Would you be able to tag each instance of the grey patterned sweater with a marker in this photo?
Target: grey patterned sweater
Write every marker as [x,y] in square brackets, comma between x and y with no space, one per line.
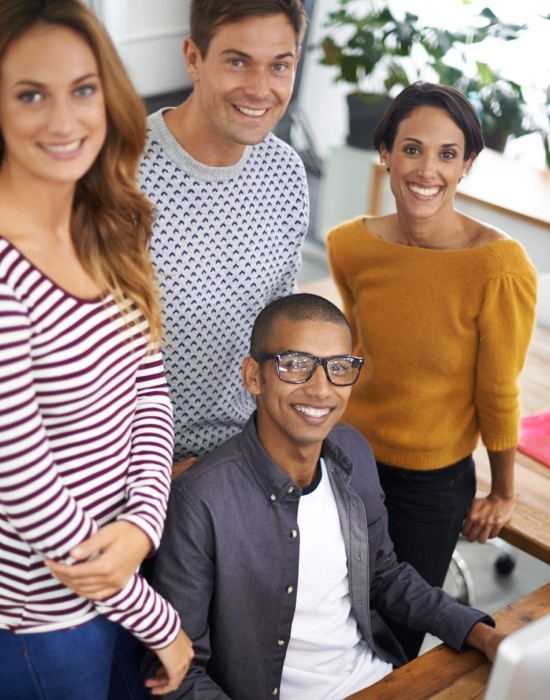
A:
[226,242]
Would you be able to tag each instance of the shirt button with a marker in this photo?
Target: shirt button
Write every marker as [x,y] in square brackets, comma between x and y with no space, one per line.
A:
[281,642]
[273,497]
[289,589]
[290,489]
[293,533]
[274,691]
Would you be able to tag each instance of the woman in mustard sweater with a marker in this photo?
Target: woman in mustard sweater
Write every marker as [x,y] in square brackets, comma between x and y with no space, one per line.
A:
[442,308]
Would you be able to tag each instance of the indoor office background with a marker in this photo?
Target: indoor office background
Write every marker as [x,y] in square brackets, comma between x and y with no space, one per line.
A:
[149,37]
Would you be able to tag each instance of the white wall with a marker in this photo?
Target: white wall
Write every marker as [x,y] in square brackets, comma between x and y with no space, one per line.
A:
[149,36]
[322,101]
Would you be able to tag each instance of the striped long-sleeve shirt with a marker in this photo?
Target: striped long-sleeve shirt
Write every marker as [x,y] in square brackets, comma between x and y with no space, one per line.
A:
[86,438]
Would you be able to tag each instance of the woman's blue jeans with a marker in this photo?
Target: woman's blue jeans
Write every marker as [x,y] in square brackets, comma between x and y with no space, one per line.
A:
[62,665]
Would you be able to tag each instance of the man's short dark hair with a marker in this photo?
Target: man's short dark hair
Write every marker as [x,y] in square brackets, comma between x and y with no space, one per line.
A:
[296,307]
[206,16]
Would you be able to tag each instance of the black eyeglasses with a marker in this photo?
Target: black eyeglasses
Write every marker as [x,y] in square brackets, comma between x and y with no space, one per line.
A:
[298,367]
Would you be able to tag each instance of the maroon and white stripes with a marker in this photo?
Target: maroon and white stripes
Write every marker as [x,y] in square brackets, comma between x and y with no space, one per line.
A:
[86,437]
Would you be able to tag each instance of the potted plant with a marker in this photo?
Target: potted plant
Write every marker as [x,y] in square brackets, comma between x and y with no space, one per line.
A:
[376,53]
[369,60]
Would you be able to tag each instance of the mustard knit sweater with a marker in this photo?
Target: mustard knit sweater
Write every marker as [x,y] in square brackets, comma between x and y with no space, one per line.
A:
[444,334]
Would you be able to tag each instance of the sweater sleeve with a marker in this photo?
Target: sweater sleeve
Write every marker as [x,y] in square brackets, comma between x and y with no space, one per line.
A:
[143,612]
[34,497]
[505,326]
[138,607]
[299,206]
[148,482]
[341,273]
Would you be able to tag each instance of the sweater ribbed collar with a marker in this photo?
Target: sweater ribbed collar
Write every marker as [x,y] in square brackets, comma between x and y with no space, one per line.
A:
[159,131]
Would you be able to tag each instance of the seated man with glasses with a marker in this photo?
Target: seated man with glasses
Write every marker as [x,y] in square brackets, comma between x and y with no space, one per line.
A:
[276,552]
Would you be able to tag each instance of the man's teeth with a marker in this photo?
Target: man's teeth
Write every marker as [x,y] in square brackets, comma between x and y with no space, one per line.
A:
[62,148]
[424,191]
[252,112]
[313,412]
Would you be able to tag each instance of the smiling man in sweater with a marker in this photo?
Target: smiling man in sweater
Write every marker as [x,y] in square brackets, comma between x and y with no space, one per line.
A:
[231,204]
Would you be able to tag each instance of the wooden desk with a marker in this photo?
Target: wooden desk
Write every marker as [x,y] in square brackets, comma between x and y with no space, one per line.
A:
[507,185]
[443,673]
[529,527]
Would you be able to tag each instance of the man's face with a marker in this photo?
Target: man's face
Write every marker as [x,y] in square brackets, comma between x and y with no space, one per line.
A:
[296,416]
[245,81]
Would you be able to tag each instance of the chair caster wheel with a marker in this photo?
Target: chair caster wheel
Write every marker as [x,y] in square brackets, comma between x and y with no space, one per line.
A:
[505,564]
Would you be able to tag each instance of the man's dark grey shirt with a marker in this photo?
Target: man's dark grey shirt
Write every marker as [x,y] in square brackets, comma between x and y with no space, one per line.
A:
[228,562]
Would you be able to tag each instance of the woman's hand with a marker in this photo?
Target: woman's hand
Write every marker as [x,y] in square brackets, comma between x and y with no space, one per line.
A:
[108,560]
[486,518]
[487,515]
[175,660]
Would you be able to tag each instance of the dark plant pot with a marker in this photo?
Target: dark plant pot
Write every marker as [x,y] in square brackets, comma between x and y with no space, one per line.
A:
[495,140]
[365,111]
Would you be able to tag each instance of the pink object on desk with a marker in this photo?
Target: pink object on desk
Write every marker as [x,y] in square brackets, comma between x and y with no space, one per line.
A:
[534,438]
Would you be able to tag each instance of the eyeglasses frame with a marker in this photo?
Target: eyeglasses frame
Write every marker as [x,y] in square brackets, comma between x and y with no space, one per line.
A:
[263,356]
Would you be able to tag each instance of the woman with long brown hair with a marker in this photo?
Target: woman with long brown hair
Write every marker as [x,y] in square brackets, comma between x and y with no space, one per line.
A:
[86,430]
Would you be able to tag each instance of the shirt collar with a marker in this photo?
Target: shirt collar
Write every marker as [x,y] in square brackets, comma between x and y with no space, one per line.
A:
[272,479]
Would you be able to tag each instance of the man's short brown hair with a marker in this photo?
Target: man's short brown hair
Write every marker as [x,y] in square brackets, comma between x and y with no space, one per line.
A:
[207,16]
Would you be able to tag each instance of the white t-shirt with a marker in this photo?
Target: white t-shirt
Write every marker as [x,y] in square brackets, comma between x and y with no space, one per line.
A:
[327,659]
